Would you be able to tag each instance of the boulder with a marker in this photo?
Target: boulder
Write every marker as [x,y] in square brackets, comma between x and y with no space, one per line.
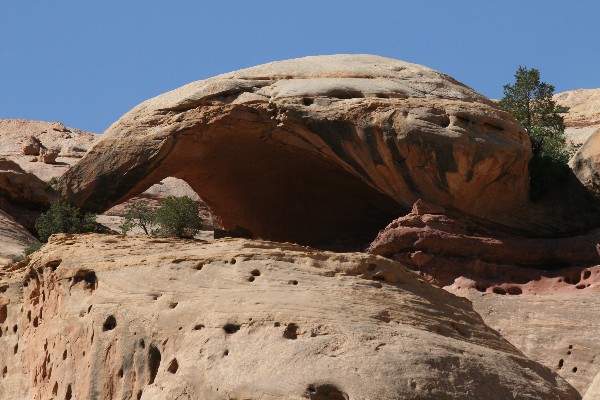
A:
[32,146]
[315,149]
[48,156]
[94,316]
[586,164]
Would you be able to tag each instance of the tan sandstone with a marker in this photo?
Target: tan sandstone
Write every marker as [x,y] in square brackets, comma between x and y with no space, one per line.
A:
[583,117]
[112,317]
[314,149]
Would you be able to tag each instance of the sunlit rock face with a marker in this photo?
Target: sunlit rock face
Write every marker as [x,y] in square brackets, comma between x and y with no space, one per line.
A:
[114,317]
[314,149]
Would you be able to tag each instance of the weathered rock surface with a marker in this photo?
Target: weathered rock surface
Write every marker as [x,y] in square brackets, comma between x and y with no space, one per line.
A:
[583,117]
[593,392]
[32,146]
[445,247]
[558,330]
[586,164]
[314,149]
[23,195]
[48,156]
[540,294]
[112,317]
[19,139]
[13,239]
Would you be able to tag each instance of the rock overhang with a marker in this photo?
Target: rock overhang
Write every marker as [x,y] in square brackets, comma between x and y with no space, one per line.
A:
[342,137]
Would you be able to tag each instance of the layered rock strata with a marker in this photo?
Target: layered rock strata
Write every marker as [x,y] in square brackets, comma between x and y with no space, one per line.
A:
[111,317]
[314,149]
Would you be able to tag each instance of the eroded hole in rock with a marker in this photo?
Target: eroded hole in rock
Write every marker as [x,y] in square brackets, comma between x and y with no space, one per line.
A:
[480,287]
[55,389]
[139,394]
[326,392]
[255,272]
[3,313]
[569,352]
[153,362]
[89,279]
[199,266]
[142,343]
[64,354]
[173,304]
[16,348]
[120,373]
[226,353]
[198,327]
[4,371]
[499,290]
[561,362]
[307,101]
[109,324]
[574,369]
[251,279]
[276,324]
[514,290]
[293,282]
[573,279]
[570,346]
[35,322]
[291,331]
[587,274]
[173,366]
[69,393]
[53,264]
[231,328]
[580,286]
[232,261]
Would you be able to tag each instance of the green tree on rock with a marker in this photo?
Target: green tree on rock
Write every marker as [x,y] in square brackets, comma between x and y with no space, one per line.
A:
[530,101]
[62,217]
[178,216]
[139,214]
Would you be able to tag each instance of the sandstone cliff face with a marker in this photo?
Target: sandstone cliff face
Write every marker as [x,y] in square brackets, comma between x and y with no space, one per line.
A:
[540,294]
[313,149]
[111,317]
[583,117]
[23,195]
[13,239]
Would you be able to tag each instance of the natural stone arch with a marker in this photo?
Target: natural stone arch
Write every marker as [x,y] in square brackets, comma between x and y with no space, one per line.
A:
[316,149]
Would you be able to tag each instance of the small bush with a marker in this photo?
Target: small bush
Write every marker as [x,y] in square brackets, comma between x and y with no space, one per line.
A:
[177,216]
[138,214]
[64,218]
[53,182]
[32,248]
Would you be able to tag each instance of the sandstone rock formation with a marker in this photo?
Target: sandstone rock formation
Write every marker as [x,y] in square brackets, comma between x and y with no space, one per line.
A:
[22,195]
[13,239]
[96,316]
[540,294]
[558,330]
[48,156]
[32,146]
[19,139]
[583,117]
[586,164]
[314,149]
[593,393]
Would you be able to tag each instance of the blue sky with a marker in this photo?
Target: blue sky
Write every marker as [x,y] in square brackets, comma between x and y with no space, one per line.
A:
[87,63]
